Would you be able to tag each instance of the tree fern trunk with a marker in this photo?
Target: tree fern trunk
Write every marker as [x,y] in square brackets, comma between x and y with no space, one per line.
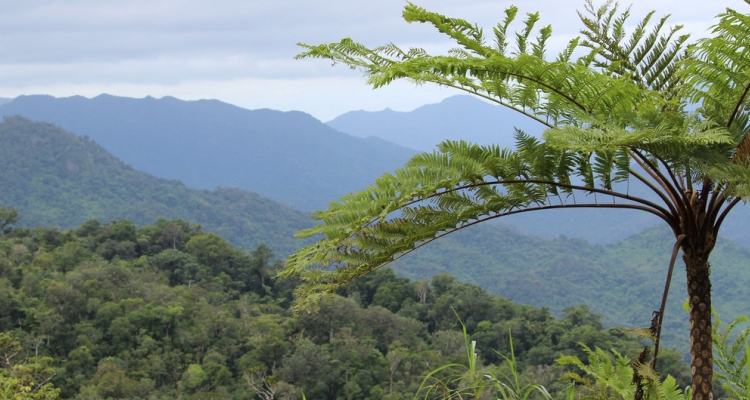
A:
[701,353]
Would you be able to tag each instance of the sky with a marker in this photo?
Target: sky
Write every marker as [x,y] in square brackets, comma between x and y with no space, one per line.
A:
[242,51]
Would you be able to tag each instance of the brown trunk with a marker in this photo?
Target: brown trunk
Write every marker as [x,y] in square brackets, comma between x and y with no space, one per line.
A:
[701,354]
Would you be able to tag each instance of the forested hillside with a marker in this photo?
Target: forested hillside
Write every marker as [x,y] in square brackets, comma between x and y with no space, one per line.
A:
[622,281]
[288,156]
[116,311]
[55,178]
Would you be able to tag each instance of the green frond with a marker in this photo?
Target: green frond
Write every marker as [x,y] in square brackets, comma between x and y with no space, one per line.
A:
[467,35]
[648,58]
[716,70]
[662,139]
[501,30]
[522,37]
[734,177]
[625,98]
[434,194]
[731,350]
[610,376]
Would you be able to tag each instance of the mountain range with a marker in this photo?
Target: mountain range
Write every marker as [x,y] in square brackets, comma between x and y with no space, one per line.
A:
[288,156]
[297,160]
[455,118]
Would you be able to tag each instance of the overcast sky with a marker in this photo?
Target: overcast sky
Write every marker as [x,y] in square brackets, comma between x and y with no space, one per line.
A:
[241,51]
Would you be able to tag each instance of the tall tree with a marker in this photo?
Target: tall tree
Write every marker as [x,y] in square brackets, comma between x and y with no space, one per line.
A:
[616,117]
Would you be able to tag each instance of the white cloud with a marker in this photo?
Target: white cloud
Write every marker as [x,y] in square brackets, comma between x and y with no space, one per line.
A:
[242,51]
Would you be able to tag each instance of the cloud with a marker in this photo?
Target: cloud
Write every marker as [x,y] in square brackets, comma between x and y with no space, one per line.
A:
[213,49]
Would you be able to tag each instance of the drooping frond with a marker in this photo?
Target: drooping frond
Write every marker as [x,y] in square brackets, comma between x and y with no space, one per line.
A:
[551,92]
[734,178]
[648,57]
[441,192]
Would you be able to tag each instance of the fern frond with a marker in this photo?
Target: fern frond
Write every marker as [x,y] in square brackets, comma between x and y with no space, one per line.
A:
[731,368]
[718,77]
[604,109]
[435,194]
[609,378]
[649,59]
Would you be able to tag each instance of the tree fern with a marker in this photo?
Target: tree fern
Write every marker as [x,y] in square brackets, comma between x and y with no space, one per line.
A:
[615,114]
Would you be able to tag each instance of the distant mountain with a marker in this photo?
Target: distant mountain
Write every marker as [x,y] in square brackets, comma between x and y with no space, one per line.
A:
[474,120]
[4,100]
[288,156]
[299,161]
[54,178]
[455,118]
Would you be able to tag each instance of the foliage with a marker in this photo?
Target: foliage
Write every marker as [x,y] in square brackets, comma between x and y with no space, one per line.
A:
[731,362]
[7,218]
[472,382]
[120,311]
[605,277]
[606,378]
[24,379]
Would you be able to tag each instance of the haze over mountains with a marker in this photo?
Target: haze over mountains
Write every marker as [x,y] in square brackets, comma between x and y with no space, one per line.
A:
[288,156]
[295,159]
[56,179]
[455,118]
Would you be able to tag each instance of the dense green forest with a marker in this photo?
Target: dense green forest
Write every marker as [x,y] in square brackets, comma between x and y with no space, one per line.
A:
[168,310]
[622,281]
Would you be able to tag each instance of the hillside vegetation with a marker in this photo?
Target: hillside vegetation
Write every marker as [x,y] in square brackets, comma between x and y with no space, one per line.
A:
[54,178]
[621,281]
[117,311]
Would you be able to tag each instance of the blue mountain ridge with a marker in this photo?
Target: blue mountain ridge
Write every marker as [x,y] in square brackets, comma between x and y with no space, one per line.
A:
[288,156]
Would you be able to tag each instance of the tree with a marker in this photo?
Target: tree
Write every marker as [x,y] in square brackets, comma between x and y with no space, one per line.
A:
[8,217]
[617,118]
[24,379]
